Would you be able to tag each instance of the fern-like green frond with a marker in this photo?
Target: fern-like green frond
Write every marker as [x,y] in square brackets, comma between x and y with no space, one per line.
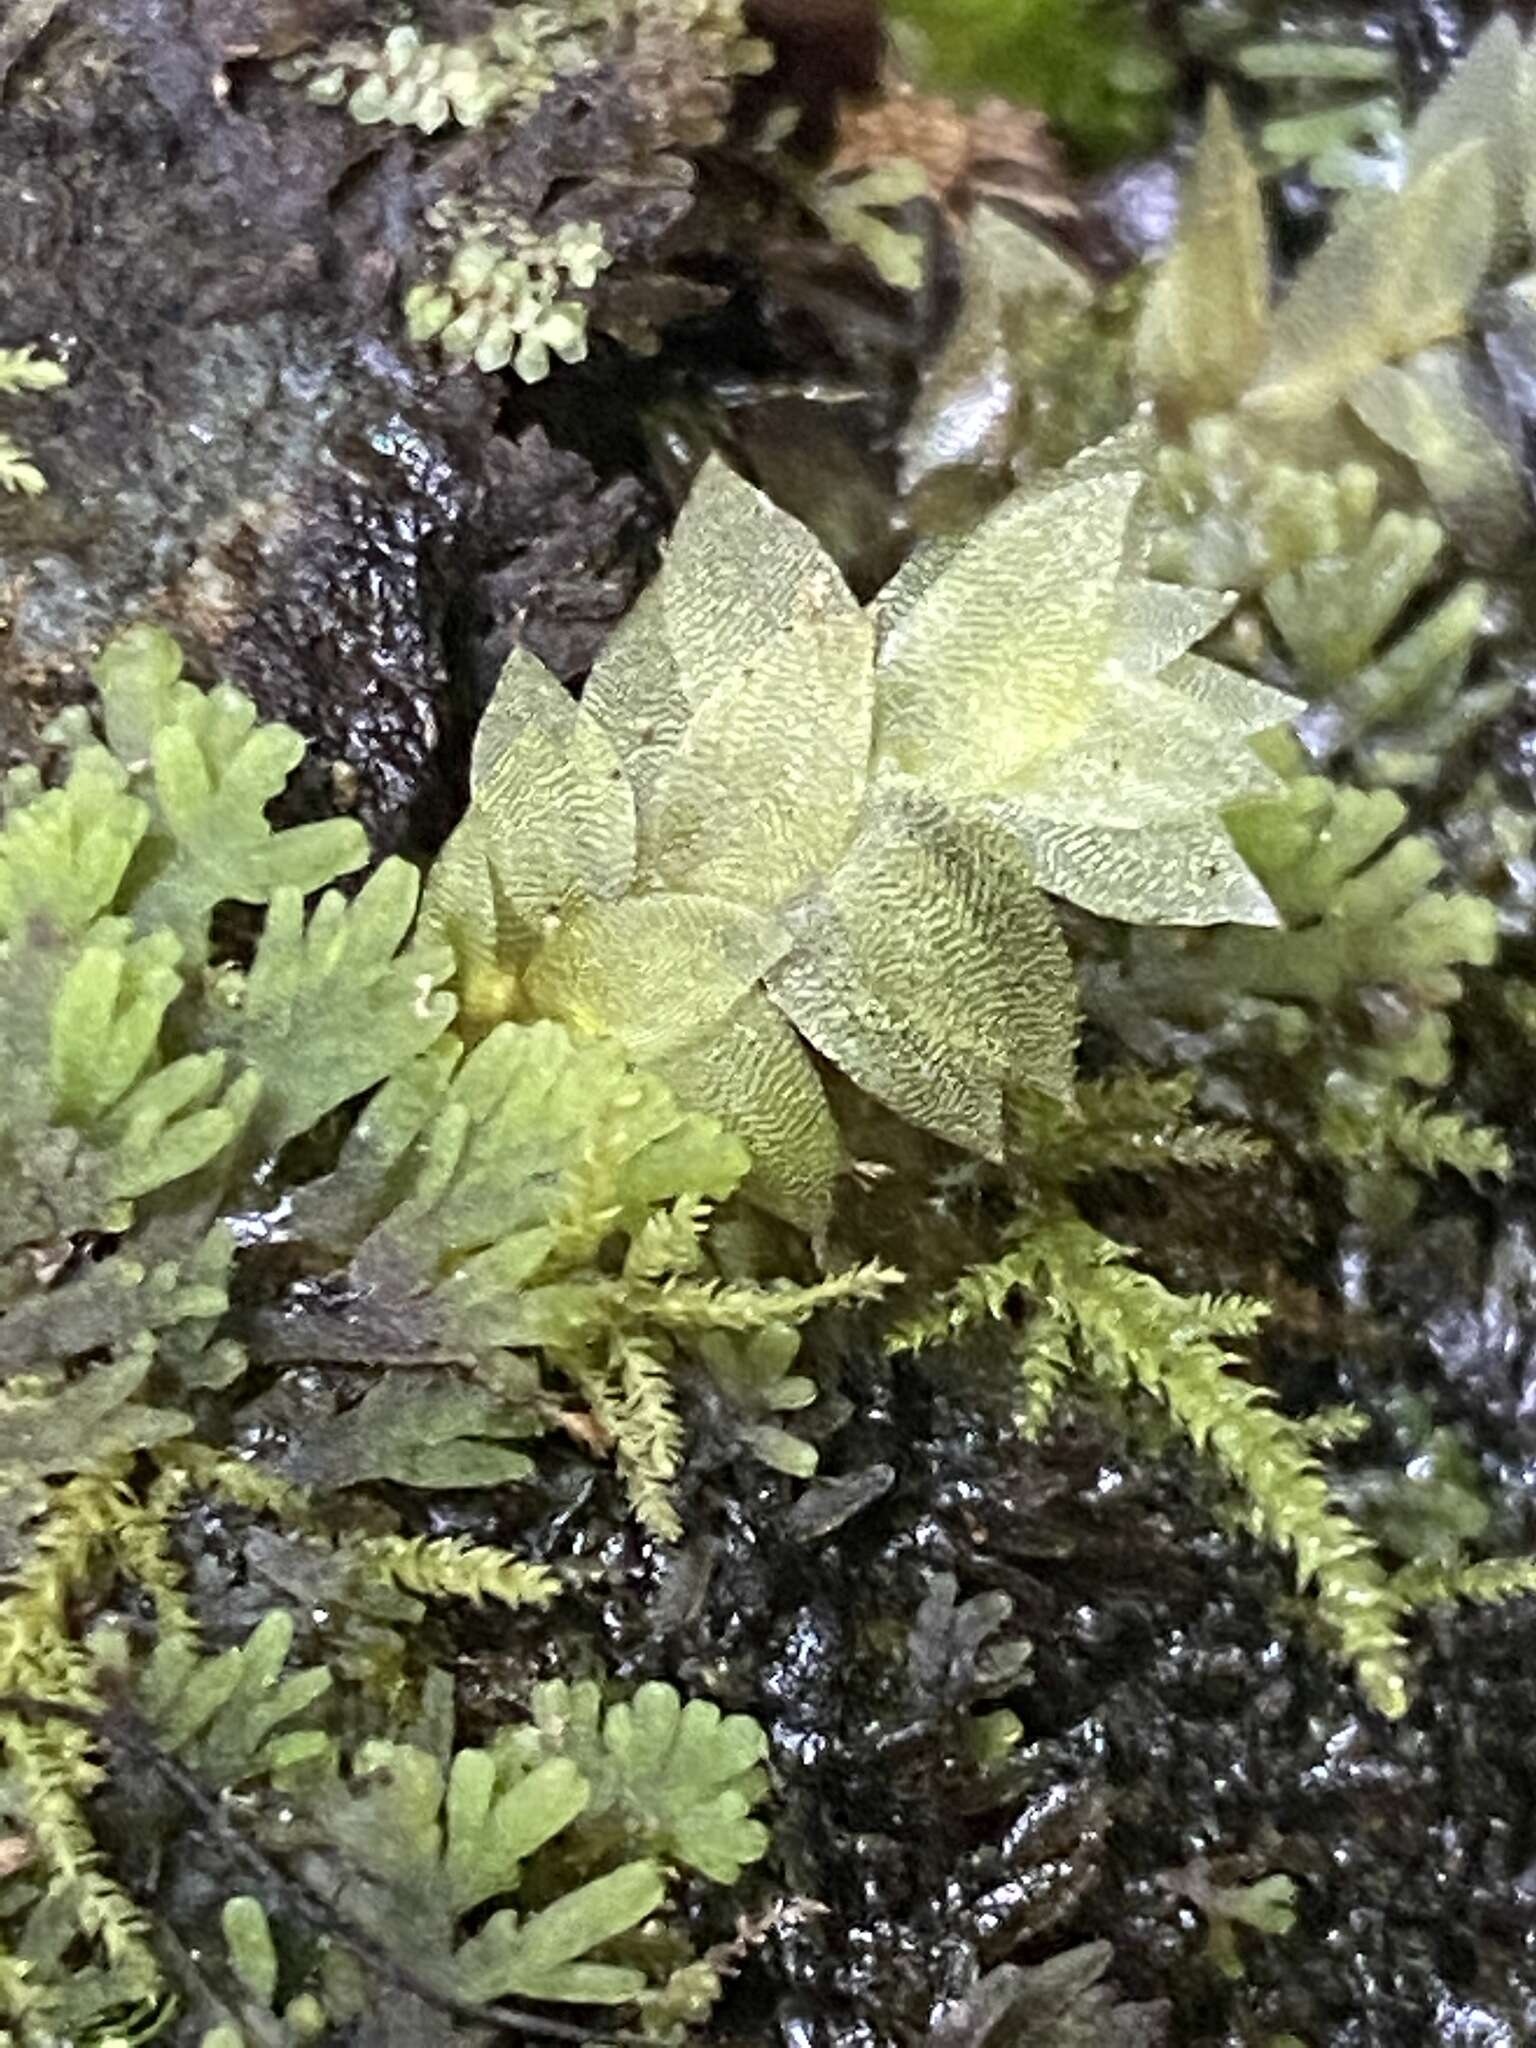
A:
[1486,1582]
[226,1716]
[454,1568]
[207,771]
[347,988]
[1100,1321]
[673,1780]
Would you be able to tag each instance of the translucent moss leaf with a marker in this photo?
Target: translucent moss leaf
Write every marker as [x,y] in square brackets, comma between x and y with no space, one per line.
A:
[208,770]
[738,574]
[637,693]
[1144,755]
[1440,411]
[991,668]
[561,822]
[755,1075]
[552,789]
[1156,623]
[679,1779]
[763,791]
[932,972]
[1487,100]
[822,988]
[1178,871]
[417,1431]
[1205,326]
[652,971]
[1236,700]
[551,823]
[331,1007]
[1397,273]
[526,697]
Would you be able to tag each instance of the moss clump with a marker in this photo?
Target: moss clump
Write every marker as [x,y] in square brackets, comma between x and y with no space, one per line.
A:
[509,271]
[1092,68]
[534,1199]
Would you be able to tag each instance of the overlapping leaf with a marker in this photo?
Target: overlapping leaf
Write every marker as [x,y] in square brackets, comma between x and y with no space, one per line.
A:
[1206,323]
[993,667]
[551,817]
[774,805]
[1396,274]
[933,972]
[471,1189]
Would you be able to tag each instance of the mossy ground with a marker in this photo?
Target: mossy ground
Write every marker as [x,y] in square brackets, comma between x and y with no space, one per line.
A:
[1172,1710]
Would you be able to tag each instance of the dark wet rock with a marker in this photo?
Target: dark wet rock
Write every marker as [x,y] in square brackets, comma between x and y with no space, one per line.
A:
[246,450]
[238,449]
[1171,1708]
[562,551]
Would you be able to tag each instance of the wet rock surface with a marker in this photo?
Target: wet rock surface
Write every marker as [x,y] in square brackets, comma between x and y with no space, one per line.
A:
[244,449]
[1177,1723]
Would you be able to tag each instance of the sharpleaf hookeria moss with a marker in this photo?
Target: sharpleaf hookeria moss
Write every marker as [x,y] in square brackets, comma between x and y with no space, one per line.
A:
[1309,432]
[495,1171]
[781,821]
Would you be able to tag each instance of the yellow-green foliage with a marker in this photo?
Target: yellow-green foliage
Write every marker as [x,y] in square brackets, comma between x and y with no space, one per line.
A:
[1331,104]
[1364,347]
[674,1781]
[779,820]
[497,288]
[533,1203]
[586,1812]
[1305,431]
[1097,1323]
[22,370]
[504,298]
